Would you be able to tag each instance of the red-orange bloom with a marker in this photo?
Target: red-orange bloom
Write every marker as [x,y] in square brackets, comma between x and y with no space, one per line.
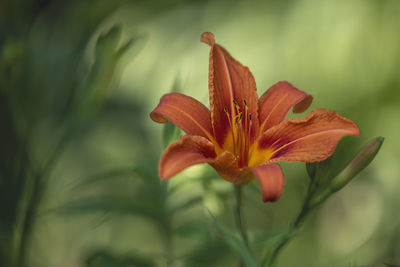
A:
[242,136]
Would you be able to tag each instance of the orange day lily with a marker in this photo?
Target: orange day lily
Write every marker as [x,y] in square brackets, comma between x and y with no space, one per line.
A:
[243,136]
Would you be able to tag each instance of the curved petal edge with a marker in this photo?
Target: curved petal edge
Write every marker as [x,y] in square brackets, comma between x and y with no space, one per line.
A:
[311,139]
[189,150]
[185,112]
[276,102]
[271,180]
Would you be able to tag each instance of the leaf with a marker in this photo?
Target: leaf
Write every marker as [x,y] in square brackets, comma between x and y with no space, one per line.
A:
[108,174]
[170,133]
[391,265]
[237,245]
[191,202]
[108,42]
[107,205]
[195,230]
[208,255]
[103,258]
[269,238]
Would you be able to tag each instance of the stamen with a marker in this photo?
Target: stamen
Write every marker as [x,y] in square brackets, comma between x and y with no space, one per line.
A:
[240,117]
[232,131]
[240,130]
[236,106]
[248,136]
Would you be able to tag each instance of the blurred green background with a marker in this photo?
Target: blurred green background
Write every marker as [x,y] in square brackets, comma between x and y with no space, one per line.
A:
[79,154]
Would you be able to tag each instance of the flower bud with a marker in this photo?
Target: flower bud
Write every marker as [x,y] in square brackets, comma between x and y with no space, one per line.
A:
[360,161]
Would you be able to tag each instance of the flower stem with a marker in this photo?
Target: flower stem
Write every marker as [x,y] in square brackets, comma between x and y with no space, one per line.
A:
[305,210]
[238,214]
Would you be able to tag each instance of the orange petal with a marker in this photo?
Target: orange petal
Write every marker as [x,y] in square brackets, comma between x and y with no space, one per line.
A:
[271,181]
[276,102]
[311,139]
[228,81]
[226,165]
[185,112]
[188,151]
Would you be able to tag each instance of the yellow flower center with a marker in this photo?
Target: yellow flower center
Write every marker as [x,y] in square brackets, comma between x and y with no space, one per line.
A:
[238,138]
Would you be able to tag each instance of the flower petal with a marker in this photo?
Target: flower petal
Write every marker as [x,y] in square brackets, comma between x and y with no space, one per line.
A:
[227,166]
[188,151]
[276,102]
[311,139]
[185,112]
[229,81]
[271,181]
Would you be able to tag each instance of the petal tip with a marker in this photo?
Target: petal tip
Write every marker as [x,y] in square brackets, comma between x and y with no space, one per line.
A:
[303,104]
[208,38]
[271,180]
[157,118]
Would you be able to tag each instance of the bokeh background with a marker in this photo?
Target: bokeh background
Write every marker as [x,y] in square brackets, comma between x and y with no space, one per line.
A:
[78,152]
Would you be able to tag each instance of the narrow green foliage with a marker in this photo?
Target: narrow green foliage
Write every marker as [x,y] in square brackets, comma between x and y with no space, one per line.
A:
[321,188]
[170,133]
[236,244]
[108,53]
[103,258]
[270,238]
[210,254]
[193,230]
[119,206]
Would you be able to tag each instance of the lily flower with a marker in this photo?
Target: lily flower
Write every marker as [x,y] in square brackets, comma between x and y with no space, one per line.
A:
[242,136]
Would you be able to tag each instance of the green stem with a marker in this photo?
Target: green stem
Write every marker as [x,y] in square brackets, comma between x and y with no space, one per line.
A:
[238,214]
[306,208]
[34,188]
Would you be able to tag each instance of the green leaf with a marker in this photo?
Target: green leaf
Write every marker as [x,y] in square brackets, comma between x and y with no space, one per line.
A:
[391,265]
[271,238]
[103,258]
[237,245]
[108,205]
[108,174]
[210,254]
[108,42]
[194,230]
[170,133]
[188,204]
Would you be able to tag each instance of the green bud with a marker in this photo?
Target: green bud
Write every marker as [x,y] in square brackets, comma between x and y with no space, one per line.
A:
[360,161]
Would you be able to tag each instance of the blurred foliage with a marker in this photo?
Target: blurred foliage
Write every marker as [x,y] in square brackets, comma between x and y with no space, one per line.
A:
[79,183]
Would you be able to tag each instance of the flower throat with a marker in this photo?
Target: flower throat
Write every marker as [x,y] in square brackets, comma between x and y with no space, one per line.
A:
[240,130]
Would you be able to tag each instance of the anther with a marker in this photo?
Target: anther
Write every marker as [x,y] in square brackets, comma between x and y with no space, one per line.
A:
[236,106]
[245,102]
[226,110]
